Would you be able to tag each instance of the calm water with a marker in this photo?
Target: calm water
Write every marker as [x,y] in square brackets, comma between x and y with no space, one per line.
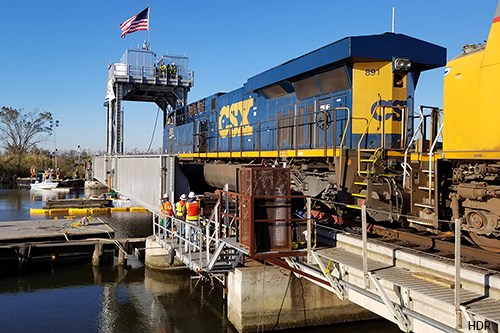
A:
[83,298]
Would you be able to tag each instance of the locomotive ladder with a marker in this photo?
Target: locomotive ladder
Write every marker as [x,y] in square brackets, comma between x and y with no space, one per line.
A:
[369,164]
[430,200]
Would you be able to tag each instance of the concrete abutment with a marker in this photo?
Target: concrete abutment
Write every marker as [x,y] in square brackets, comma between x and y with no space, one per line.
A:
[267,298]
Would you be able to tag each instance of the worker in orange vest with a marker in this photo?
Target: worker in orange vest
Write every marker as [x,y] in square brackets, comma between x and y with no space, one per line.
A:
[192,216]
[180,213]
[168,211]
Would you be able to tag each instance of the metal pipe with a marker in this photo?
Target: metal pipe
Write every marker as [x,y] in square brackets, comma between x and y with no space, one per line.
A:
[458,313]
[309,230]
[365,245]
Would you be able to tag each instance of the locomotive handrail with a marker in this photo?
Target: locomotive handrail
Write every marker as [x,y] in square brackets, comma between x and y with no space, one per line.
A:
[366,131]
[343,136]
[417,130]
[239,129]
[430,160]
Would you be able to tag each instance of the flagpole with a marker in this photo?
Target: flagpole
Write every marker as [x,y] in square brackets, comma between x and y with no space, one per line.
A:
[149,5]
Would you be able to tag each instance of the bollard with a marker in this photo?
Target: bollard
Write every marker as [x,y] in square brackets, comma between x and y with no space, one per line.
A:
[122,258]
[96,256]
[23,258]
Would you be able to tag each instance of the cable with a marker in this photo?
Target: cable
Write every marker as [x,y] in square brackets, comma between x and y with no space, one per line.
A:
[154,130]
[283,301]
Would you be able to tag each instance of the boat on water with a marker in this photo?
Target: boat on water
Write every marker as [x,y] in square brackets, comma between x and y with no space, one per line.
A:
[44,185]
[47,182]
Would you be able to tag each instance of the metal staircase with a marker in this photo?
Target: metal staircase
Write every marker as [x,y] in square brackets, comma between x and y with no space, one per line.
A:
[224,259]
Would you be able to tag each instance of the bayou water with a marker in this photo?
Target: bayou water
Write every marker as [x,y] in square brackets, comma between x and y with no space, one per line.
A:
[109,298]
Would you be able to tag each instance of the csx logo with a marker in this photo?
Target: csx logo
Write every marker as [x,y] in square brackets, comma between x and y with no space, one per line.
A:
[390,112]
[234,118]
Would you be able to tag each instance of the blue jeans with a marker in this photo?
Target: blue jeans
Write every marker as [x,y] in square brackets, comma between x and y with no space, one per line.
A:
[166,221]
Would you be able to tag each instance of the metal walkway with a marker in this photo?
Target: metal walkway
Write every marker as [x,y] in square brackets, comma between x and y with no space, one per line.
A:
[395,293]
[404,286]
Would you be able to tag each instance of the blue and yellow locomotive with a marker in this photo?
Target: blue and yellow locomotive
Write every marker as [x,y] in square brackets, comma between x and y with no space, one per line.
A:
[343,119]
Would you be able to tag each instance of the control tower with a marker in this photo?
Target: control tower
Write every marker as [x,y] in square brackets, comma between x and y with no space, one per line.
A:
[139,77]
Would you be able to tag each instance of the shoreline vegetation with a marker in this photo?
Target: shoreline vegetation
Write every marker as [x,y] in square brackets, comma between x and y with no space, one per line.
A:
[70,164]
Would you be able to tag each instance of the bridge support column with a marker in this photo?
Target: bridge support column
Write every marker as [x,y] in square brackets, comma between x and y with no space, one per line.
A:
[265,298]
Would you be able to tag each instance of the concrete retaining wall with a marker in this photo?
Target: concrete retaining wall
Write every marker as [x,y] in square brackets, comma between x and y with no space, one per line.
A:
[263,298]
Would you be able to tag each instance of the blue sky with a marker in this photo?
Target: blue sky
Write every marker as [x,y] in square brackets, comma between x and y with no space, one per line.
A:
[55,54]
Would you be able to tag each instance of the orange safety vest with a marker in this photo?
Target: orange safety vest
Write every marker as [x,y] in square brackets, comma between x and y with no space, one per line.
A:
[193,211]
[178,208]
[166,208]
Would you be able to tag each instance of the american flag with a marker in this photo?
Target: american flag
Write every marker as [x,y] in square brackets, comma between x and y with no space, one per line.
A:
[136,23]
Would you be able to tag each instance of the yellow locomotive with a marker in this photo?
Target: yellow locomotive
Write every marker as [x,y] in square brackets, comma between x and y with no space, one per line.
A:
[471,137]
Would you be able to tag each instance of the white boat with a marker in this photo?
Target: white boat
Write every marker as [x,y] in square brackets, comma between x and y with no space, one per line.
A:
[45,185]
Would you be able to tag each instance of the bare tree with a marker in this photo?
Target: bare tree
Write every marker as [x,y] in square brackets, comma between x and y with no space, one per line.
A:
[20,132]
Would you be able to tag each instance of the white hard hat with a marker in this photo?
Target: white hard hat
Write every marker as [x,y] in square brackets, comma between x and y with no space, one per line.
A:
[183,197]
[165,196]
[191,195]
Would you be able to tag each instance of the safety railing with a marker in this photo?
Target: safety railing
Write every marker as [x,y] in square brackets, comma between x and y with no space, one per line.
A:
[184,236]
[205,236]
[188,237]
[144,72]
[242,130]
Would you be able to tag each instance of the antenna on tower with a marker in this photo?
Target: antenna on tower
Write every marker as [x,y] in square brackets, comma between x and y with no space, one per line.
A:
[392,19]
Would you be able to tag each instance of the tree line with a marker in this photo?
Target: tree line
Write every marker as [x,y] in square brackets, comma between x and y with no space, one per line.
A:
[20,134]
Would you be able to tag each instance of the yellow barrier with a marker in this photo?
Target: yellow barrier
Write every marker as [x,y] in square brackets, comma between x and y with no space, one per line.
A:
[58,211]
[37,211]
[98,210]
[119,209]
[84,211]
[78,211]
[137,209]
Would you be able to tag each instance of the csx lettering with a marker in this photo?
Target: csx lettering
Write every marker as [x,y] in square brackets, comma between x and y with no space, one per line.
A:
[391,112]
[233,119]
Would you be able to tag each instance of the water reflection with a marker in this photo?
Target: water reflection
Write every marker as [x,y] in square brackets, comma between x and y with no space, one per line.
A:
[111,298]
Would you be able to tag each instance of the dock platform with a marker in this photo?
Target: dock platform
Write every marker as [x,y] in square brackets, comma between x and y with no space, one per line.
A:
[39,244]
[52,230]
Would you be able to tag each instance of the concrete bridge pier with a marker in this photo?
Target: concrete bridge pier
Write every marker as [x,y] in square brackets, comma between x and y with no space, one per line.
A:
[268,298]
